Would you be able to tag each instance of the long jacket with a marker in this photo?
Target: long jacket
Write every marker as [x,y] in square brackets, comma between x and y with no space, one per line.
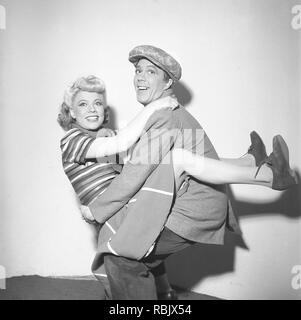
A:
[145,196]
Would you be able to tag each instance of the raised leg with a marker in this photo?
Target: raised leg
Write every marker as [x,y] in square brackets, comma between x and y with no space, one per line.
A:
[245,161]
[219,172]
[274,171]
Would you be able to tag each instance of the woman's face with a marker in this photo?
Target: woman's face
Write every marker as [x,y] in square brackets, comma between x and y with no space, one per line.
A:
[88,109]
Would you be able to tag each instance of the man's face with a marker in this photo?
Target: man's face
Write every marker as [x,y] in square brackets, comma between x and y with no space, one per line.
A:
[149,82]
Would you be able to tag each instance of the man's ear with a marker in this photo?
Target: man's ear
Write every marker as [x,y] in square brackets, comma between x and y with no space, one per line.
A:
[169,84]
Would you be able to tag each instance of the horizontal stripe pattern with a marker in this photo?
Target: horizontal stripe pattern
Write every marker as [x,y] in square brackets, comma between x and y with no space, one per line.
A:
[89,179]
[76,146]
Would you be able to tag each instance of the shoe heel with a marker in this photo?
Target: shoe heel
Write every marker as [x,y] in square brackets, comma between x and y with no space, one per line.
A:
[283,146]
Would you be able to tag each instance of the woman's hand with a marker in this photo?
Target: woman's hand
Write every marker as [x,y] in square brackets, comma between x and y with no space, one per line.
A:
[166,102]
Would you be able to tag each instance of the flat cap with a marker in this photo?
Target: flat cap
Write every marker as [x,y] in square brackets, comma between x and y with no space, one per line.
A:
[159,57]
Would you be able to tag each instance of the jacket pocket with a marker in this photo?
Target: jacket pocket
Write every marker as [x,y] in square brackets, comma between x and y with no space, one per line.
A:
[183,188]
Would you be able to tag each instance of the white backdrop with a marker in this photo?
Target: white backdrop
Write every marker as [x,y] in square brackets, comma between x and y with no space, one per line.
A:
[241,67]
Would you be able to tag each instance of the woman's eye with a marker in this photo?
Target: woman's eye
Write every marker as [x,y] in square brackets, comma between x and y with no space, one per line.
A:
[151,71]
[98,103]
[83,104]
[137,71]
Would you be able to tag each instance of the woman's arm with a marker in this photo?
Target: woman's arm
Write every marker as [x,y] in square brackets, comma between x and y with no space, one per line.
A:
[126,137]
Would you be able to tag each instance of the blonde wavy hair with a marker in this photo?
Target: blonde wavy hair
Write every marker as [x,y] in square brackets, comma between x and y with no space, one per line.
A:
[90,84]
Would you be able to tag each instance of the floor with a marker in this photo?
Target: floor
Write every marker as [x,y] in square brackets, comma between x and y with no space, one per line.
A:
[82,288]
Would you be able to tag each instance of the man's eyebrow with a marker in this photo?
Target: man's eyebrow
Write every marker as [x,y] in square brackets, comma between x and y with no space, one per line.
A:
[151,65]
[148,65]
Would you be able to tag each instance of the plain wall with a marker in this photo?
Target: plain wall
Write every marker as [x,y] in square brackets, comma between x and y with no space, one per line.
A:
[241,72]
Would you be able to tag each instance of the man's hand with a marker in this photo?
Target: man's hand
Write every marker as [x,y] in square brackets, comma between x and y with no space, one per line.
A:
[105,132]
[166,102]
[86,213]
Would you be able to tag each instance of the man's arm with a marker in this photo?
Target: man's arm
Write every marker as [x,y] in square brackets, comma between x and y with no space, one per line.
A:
[159,138]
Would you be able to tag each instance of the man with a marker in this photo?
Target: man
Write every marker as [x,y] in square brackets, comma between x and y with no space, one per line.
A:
[189,212]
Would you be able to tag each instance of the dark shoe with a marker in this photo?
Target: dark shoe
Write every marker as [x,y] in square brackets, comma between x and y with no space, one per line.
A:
[170,295]
[257,148]
[283,176]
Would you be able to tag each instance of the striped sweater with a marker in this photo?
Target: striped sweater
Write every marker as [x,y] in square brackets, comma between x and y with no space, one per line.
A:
[88,178]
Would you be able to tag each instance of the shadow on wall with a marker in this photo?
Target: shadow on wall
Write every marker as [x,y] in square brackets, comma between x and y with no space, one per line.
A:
[112,124]
[193,264]
[183,93]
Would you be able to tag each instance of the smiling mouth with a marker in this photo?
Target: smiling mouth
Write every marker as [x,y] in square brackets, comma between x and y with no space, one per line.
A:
[92,118]
[142,87]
